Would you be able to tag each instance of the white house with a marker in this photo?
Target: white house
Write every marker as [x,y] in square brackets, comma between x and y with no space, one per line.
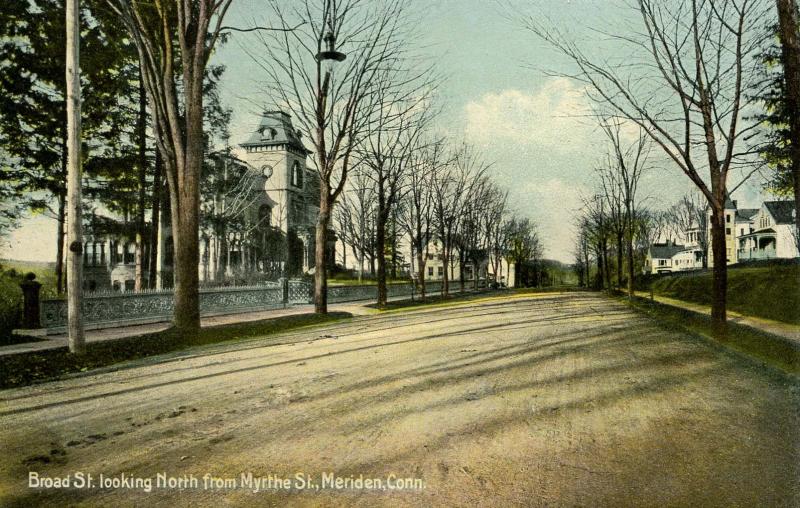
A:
[434,268]
[772,233]
[670,257]
[750,233]
[738,222]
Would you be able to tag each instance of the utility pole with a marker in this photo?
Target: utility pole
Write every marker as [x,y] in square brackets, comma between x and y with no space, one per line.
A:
[74,233]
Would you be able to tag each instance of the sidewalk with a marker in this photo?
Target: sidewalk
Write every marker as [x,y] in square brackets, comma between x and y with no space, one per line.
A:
[356,308]
[786,330]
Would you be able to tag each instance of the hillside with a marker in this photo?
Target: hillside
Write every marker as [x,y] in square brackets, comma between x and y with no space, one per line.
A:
[771,292]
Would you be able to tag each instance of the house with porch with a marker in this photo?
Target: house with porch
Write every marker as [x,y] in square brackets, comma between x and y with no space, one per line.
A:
[771,234]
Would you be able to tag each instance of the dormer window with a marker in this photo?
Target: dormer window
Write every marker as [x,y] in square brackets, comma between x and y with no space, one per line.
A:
[267,133]
[297,175]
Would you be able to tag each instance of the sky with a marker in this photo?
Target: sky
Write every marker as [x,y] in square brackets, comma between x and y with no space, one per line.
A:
[528,124]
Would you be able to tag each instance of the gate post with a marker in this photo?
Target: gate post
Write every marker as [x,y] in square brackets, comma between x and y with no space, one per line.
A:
[30,309]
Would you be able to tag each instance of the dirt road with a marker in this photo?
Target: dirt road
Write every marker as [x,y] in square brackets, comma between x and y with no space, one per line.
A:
[560,399]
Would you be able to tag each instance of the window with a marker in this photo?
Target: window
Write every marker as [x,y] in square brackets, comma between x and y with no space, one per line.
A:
[441,271]
[728,218]
[727,231]
[430,271]
[297,175]
[264,216]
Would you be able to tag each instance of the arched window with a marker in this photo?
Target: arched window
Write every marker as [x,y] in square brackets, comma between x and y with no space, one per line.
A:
[297,175]
[264,216]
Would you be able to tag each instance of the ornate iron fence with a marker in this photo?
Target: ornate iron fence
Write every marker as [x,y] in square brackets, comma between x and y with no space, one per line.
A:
[118,309]
[111,309]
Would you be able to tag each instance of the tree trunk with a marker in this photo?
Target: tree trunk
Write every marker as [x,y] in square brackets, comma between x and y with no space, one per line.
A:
[720,272]
[186,241]
[790,57]
[600,270]
[60,236]
[380,242]
[620,254]
[141,131]
[321,235]
[421,271]
[606,267]
[588,268]
[445,277]
[155,220]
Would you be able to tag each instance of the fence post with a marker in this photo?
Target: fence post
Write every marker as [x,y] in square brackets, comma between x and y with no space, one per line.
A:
[30,309]
[284,282]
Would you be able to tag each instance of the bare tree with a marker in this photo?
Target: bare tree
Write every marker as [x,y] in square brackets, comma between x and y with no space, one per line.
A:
[684,85]
[629,161]
[523,244]
[387,152]
[417,216]
[174,40]
[690,215]
[451,186]
[356,215]
[788,27]
[332,108]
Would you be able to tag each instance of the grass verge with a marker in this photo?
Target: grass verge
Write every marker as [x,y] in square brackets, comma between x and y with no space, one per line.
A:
[771,349]
[28,368]
[771,292]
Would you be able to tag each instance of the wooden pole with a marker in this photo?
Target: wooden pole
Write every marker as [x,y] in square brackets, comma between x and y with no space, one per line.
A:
[74,233]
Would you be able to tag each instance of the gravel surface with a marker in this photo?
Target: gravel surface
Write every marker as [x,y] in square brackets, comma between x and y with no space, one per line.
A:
[527,400]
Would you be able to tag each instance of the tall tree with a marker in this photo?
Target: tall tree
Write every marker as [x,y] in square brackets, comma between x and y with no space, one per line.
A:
[174,41]
[331,107]
[33,102]
[628,162]
[789,36]
[685,89]
[387,155]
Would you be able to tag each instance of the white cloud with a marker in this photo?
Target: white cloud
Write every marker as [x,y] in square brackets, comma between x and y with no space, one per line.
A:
[552,117]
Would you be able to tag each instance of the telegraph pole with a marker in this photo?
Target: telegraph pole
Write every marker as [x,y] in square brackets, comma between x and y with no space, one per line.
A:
[74,233]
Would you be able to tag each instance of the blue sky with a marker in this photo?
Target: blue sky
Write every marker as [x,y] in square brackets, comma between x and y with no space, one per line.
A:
[528,124]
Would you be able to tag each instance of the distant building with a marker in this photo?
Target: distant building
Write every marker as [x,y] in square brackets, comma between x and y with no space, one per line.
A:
[109,254]
[670,257]
[434,268]
[750,233]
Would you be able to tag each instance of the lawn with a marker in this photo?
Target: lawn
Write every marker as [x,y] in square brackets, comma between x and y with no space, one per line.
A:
[27,368]
[771,292]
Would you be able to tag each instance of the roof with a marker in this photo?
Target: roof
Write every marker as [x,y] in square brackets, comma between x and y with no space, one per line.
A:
[746,214]
[276,129]
[665,251]
[781,211]
[729,203]
[100,225]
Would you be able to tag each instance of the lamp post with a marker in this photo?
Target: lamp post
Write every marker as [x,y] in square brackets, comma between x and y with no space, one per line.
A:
[327,58]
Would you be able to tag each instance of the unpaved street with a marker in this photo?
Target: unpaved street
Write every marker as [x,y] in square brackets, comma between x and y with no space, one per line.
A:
[556,399]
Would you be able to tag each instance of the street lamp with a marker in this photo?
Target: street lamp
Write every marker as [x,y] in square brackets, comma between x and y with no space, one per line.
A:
[329,58]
